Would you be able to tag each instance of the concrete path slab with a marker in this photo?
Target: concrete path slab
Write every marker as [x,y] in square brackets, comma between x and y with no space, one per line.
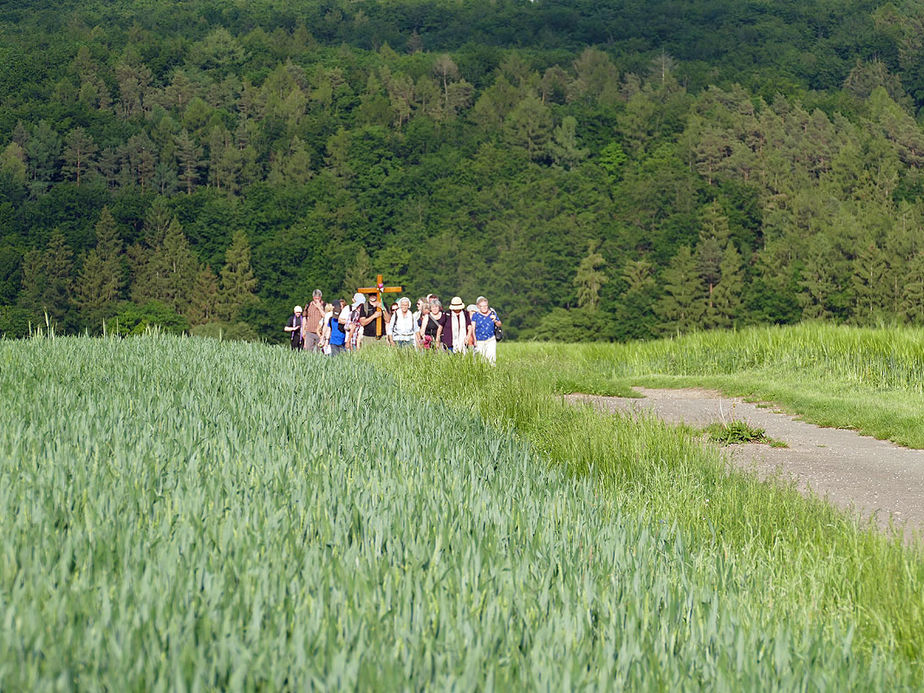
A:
[858,473]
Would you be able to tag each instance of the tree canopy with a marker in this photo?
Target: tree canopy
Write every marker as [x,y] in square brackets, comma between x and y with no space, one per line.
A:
[599,170]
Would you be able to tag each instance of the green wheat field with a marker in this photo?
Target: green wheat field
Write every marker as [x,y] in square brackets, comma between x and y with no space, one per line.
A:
[190,514]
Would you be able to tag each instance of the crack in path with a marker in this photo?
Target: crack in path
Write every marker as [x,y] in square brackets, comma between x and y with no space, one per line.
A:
[858,473]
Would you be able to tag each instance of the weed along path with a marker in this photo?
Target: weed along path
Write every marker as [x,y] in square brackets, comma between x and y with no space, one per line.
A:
[869,476]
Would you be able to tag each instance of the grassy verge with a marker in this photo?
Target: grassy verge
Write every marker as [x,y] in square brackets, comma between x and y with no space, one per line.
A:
[813,561]
[871,380]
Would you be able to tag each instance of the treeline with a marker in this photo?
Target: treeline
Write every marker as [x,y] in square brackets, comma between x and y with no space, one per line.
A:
[204,166]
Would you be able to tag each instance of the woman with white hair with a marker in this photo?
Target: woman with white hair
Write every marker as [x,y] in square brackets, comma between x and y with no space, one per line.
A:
[486,322]
[402,324]
[294,328]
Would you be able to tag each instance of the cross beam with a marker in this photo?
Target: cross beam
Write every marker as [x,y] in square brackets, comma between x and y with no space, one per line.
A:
[379,290]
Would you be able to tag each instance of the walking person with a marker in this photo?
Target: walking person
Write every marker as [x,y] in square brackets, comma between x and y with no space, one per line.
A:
[436,314]
[485,323]
[371,319]
[403,325]
[324,343]
[294,328]
[455,328]
[426,328]
[314,319]
[334,332]
[355,325]
[420,305]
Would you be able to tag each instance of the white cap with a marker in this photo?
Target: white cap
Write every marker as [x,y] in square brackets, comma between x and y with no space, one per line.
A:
[358,299]
[297,309]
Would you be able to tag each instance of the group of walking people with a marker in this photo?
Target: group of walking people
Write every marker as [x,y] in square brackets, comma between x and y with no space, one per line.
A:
[338,327]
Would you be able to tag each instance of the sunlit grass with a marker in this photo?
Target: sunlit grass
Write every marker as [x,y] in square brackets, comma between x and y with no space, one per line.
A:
[812,557]
[189,514]
[871,380]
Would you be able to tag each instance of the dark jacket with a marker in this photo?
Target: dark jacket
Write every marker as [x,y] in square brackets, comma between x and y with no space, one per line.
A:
[296,335]
[446,323]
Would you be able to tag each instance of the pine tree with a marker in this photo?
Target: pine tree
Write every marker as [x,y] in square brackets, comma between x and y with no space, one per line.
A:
[529,126]
[79,153]
[204,299]
[33,282]
[869,284]
[726,298]
[590,278]
[913,294]
[714,224]
[140,160]
[189,156]
[43,151]
[820,281]
[681,307]
[100,279]
[48,281]
[293,167]
[564,145]
[709,265]
[165,271]
[238,284]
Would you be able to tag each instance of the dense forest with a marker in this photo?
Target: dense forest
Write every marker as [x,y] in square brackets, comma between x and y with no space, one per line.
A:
[599,170]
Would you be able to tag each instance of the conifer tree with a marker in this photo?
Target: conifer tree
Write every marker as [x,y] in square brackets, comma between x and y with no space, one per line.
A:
[79,153]
[203,303]
[564,146]
[238,284]
[43,151]
[529,126]
[189,156]
[33,282]
[681,307]
[709,264]
[912,306]
[590,278]
[166,271]
[714,224]
[100,279]
[869,284]
[48,280]
[726,298]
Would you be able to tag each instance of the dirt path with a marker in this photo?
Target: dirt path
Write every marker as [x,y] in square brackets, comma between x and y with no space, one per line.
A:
[870,476]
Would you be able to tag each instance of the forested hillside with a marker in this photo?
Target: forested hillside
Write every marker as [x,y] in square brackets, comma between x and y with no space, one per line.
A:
[599,169]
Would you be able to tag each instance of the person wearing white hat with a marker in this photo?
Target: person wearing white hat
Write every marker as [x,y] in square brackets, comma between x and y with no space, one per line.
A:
[354,326]
[455,328]
[294,328]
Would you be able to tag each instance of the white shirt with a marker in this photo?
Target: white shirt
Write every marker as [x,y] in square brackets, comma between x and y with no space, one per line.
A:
[403,326]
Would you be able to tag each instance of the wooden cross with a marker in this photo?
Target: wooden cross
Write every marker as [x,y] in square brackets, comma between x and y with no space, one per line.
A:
[379,289]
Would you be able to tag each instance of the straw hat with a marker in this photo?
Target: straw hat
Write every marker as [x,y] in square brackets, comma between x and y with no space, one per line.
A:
[456,304]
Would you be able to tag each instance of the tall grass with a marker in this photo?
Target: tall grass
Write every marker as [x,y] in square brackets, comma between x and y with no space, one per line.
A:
[191,514]
[811,558]
[868,379]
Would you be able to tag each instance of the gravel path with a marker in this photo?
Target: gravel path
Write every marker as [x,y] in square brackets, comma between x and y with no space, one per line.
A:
[855,472]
